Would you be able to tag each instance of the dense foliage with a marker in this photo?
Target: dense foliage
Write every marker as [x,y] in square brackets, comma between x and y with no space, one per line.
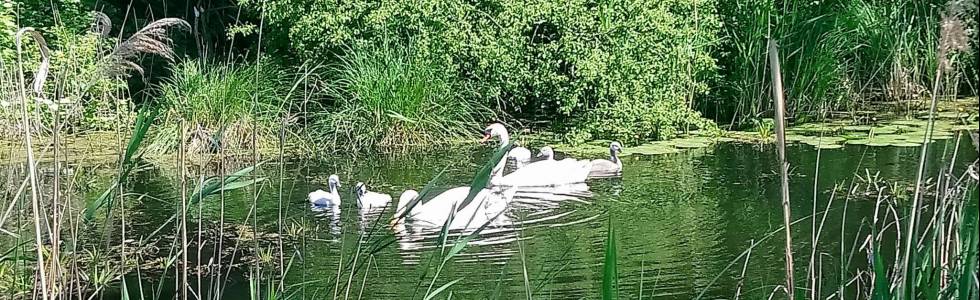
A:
[610,68]
[588,69]
[79,90]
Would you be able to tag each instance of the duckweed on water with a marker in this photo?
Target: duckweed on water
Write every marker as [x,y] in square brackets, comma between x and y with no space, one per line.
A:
[654,148]
[691,142]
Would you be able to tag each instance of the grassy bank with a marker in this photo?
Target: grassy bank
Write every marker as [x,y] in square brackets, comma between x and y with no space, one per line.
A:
[378,81]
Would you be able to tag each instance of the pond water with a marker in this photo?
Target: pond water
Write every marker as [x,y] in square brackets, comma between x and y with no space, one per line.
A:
[682,222]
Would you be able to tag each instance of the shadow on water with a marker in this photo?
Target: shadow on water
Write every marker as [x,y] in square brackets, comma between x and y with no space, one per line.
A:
[681,220]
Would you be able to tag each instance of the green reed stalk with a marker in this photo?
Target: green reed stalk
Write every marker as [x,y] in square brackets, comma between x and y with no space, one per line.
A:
[777,90]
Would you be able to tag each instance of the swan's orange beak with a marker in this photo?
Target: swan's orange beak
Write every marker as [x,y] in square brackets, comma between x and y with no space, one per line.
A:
[486,137]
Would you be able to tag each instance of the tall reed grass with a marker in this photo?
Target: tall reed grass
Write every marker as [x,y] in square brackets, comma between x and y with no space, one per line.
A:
[389,96]
[216,104]
[839,56]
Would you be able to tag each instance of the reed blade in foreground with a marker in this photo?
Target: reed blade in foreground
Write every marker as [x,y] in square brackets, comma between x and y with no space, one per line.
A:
[610,278]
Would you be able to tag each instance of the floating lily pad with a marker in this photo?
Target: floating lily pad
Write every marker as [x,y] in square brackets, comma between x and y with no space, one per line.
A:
[964,127]
[690,142]
[888,129]
[795,137]
[885,140]
[829,146]
[864,128]
[826,140]
[906,144]
[921,135]
[857,142]
[949,115]
[583,149]
[890,137]
[855,136]
[817,128]
[654,148]
[912,123]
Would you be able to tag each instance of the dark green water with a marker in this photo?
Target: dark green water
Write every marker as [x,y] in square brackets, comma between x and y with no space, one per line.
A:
[682,221]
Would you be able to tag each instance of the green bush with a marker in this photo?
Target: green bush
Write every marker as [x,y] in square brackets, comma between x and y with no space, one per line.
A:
[578,64]
[76,87]
[391,97]
[72,14]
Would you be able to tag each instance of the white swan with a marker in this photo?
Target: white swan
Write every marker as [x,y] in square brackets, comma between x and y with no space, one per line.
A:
[518,154]
[548,154]
[367,200]
[322,198]
[612,166]
[487,206]
[542,173]
[545,173]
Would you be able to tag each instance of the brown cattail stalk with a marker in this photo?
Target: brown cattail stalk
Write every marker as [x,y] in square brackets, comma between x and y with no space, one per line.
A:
[777,95]
[28,143]
[953,38]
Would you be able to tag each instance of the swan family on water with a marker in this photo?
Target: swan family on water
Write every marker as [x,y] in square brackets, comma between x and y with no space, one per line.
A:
[532,176]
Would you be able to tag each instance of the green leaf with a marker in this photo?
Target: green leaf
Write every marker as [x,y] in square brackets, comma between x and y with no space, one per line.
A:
[123,291]
[441,288]
[966,273]
[609,276]
[881,291]
[482,177]
[214,185]
[143,122]
[400,117]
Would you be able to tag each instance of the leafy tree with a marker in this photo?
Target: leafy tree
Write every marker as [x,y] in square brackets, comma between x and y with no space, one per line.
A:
[613,69]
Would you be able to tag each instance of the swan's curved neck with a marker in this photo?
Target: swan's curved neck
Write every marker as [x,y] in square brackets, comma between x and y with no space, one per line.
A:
[504,138]
[402,204]
[400,207]
[613,157]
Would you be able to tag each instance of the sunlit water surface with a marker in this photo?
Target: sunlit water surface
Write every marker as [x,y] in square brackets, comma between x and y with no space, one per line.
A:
[682,222]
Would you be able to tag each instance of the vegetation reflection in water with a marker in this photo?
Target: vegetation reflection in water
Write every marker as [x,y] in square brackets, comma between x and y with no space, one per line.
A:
[681,219]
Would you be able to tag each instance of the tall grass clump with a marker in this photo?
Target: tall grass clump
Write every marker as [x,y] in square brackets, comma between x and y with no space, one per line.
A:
[215,103]
[840,56]
[389,96]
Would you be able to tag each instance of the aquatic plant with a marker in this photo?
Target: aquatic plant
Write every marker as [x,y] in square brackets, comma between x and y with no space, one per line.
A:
[208,107]
[394,96]
[839,55]
[764,128]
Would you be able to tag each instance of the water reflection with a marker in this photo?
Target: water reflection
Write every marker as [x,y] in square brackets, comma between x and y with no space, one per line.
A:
[501,218]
